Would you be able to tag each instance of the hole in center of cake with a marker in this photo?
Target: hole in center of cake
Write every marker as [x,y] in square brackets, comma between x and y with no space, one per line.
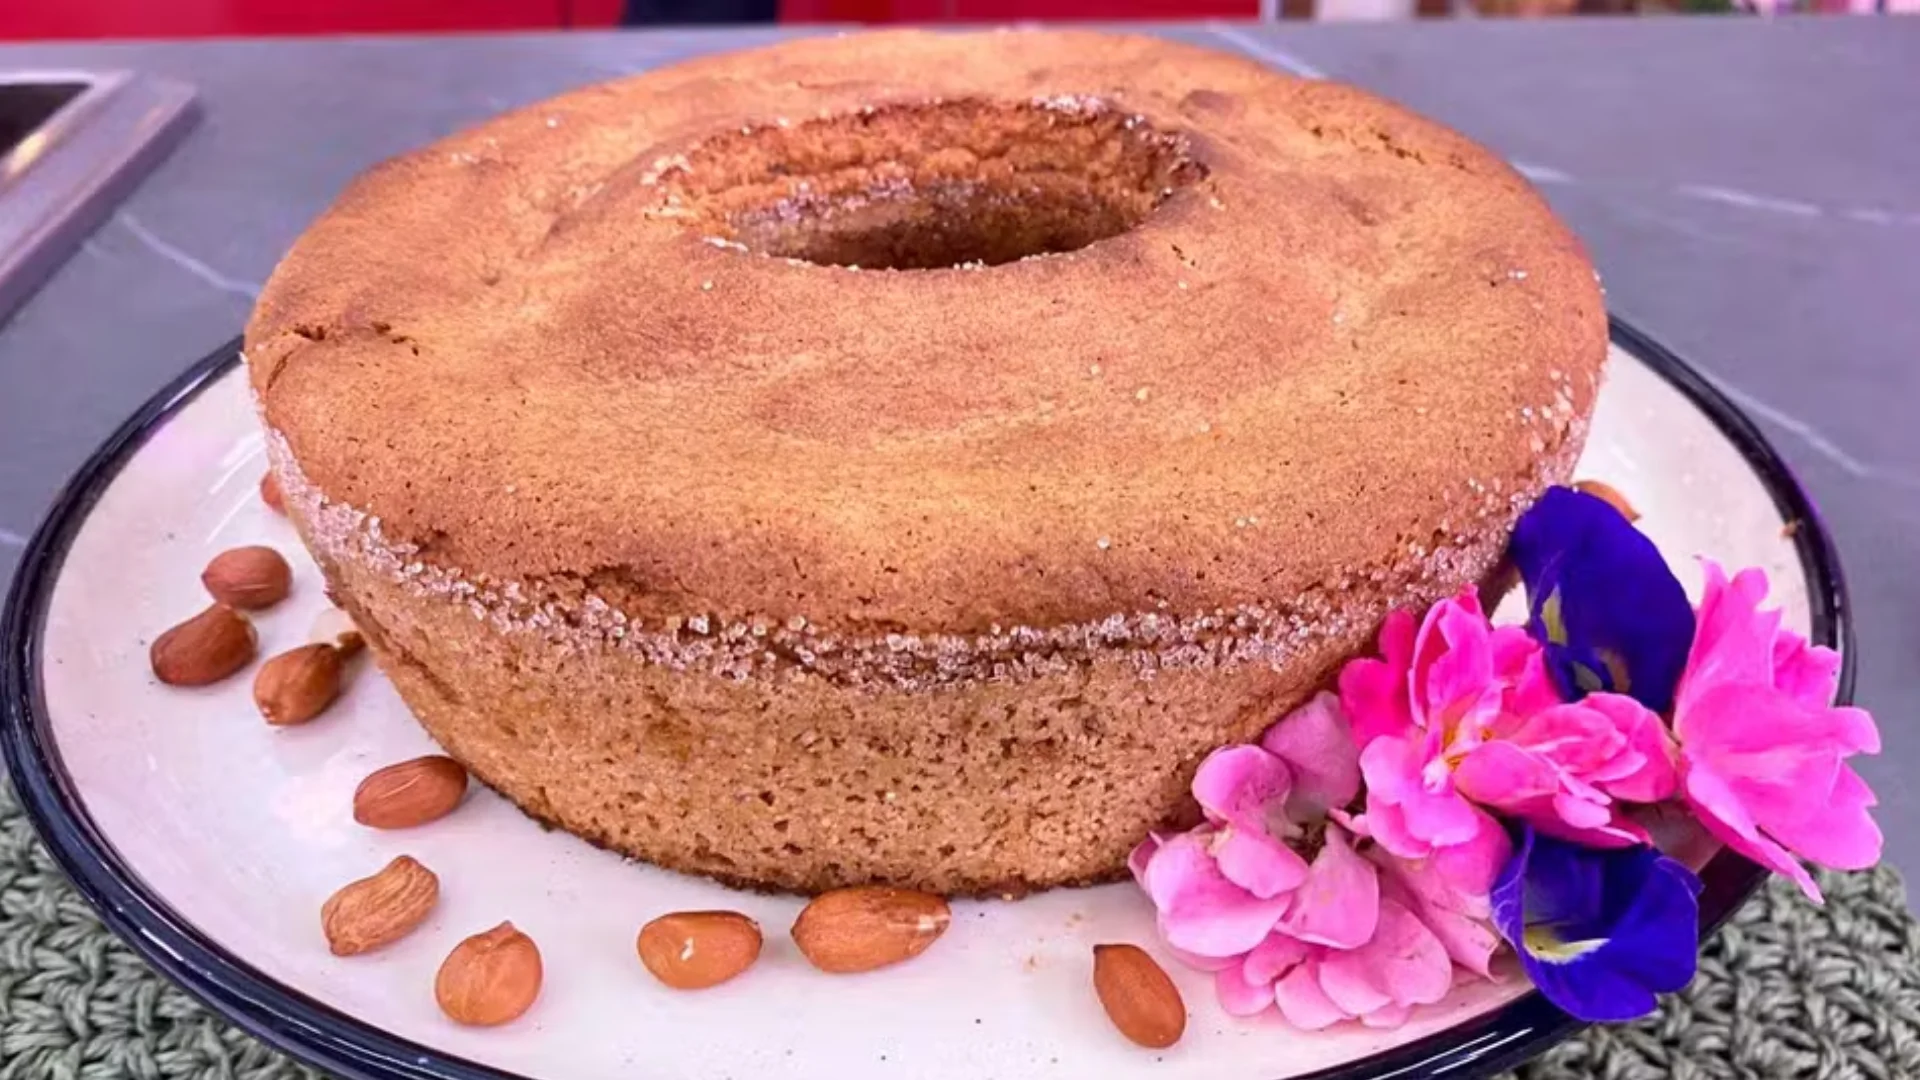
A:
[941,184]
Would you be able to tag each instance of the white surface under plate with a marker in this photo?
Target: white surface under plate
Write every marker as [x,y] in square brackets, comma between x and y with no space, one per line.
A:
[243,830]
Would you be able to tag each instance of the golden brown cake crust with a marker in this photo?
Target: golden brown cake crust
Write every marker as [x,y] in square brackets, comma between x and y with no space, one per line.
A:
[801,575]
[1296,371]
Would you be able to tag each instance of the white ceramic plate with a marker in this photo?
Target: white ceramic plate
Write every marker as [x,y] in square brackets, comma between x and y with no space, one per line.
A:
[210,840]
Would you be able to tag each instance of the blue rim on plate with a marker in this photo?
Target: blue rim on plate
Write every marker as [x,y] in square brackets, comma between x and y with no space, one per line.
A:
[354,1049]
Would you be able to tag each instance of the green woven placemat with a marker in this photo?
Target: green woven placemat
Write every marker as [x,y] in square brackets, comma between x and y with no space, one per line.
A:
[1786,990]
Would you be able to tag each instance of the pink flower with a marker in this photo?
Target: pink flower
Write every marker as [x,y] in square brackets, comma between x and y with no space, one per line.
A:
[1450,892]
[1201,912]
[1561,768]
[1460,716]
[1346,936]
[1413,810]
[1374,693]
[1401,965]
[1243,791]
[1224,887]
[1452,674]
[1763,748]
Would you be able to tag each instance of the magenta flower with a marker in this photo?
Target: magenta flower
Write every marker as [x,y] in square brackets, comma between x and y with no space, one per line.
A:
[1449,672]
[1561,768]
[1414,711]
[1460,717]
[1763,748]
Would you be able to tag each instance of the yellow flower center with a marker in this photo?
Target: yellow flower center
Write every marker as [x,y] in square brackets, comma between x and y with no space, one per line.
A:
[1544,944]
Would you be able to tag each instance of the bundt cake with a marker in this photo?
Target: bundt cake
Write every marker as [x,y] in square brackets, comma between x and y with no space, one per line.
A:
[901,457]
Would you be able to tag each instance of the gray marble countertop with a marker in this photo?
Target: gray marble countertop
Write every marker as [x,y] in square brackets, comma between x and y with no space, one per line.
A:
[1747,187]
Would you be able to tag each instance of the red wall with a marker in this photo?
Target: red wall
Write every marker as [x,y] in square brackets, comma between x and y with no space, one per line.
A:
[197,18]
[880,11]
[28,19]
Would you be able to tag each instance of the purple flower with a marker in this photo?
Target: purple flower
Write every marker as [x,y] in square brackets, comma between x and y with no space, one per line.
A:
[1599,932]
[1601,600]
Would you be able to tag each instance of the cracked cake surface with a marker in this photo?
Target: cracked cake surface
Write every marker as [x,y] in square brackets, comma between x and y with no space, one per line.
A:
[902,456]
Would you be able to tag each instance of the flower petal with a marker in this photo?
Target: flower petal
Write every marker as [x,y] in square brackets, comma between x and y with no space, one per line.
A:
[1601,599]
[1236,784]
[1276,956]
[1853,730]
[1521,665]
[1457,917]
[1240,996]
[1353,986]
[1244,789]
[1654,948]
[1806,673]
[1777,758]
[1138,858]
[1205,963]
[1710,798]
[1386,825]
[1544,882]
[1470,869]
[1762,747]
[1258,863]
[1656,779]
[1598,996]
[1529,786]
[1727,821]
[1505,775]
[1404,964]
[1453,676]
[1201,912]
[1393,770]
[1339,903]
[1392,767]
[1599,932]
[1579,813]
[1304,1004]
[1733,641]
[1317,744]
[1843,835]
[1374,692]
